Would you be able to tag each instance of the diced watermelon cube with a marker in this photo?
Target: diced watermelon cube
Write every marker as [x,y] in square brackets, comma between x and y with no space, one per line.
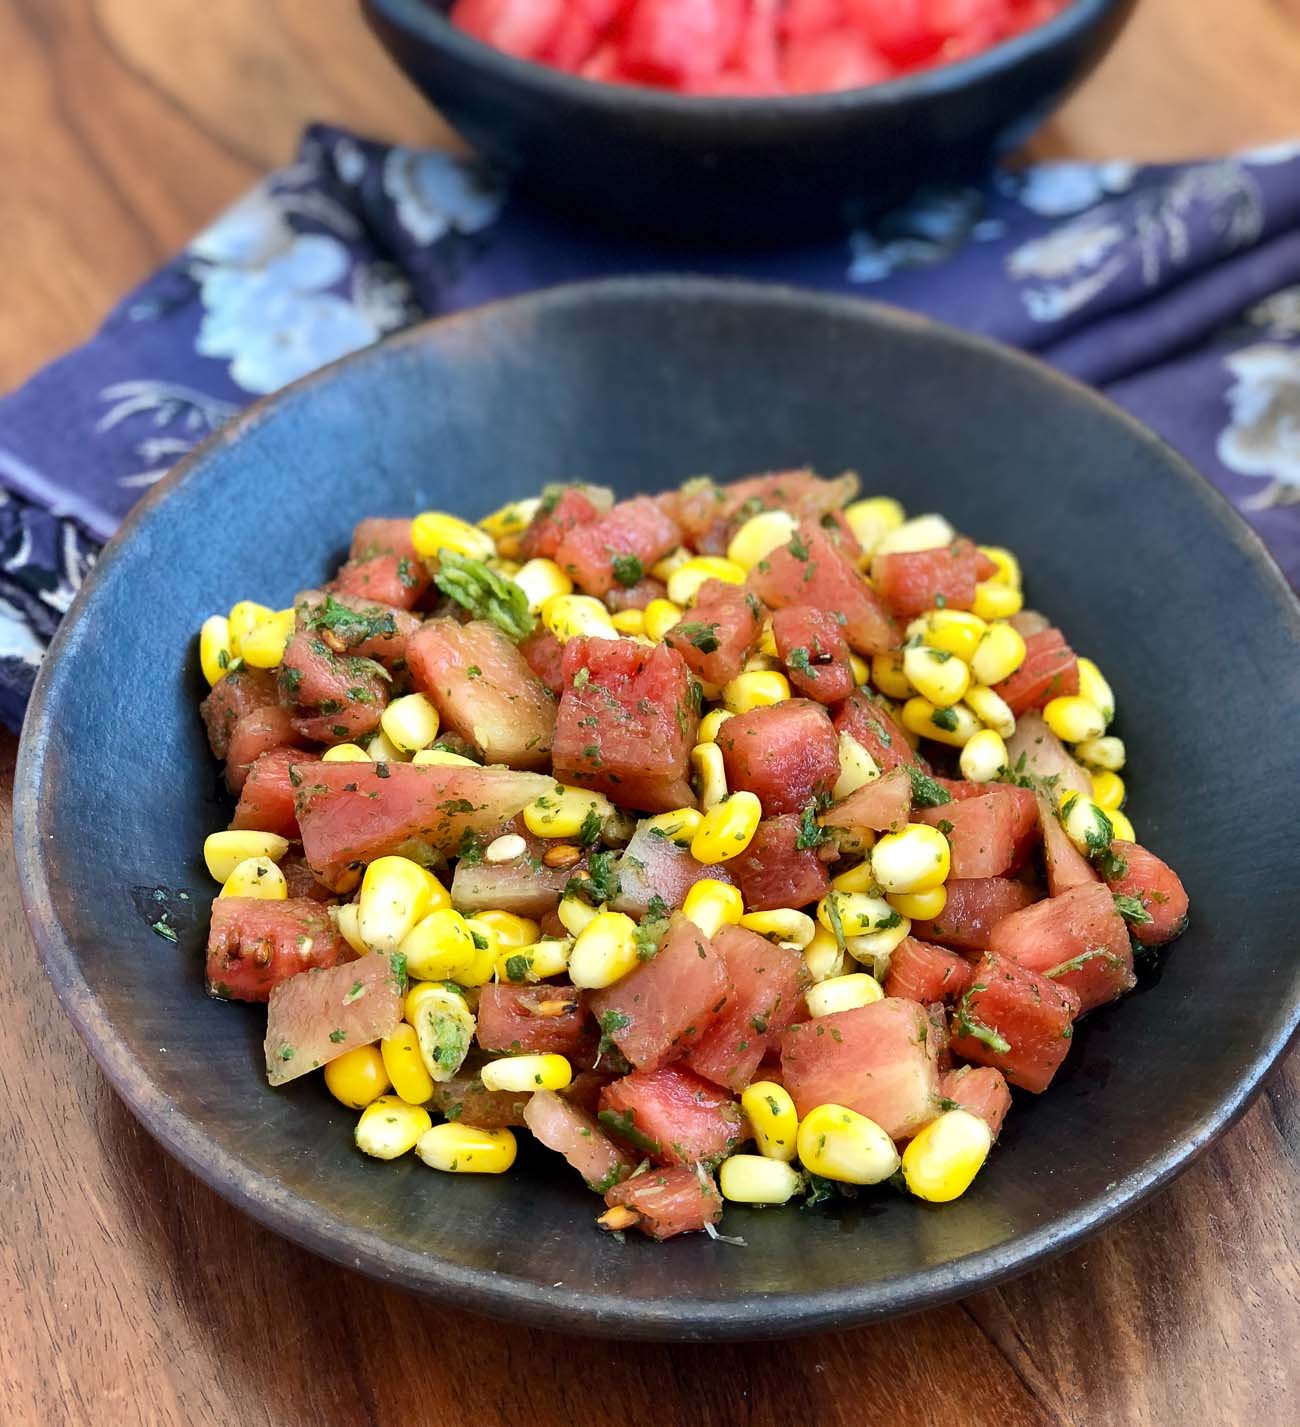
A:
[673,1115]
[831,60]
[652,865]
[465,1098]
[719,632]
[865,720]
[981,833]
[545,1018]
[1024,816]
[239,693]
[571,1131]
[883,805]
[256,733]
[524,885]
[568,509]
[1156,886]
[669,1201]
[349,624]
[626,723]
[787,754]
[336,698]
[671,42]
[637,596]
[1015,1020]
[920,971]
[255,944]
[774,871]
[268,799]
[634,535]
[519,27]
[981,1090]
[545,656]
[973,909]
[812,647]
[1049,670]
[709,514]
[382,565]
[1066,866]
[917,580]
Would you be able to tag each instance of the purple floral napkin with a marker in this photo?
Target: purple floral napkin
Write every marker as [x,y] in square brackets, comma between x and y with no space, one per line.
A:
[1176,289]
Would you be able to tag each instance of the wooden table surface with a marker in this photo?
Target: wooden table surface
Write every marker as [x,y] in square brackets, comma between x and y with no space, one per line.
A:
[132,1294]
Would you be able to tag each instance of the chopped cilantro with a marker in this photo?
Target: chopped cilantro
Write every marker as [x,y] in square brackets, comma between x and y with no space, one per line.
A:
[338,1036]
[600,883]
[811,833]
[627,570]
[945,719]
[589,832]
[797,548]
[926,793]
[944,826]
[485,592]
[648,936]
[582,678]
[1132,910]
[470,850]
[351,626]
[162,929]
[798,659]
[518,967]
[967,1025]
[657,908]
[473,672]
[703,636]
[623,1124]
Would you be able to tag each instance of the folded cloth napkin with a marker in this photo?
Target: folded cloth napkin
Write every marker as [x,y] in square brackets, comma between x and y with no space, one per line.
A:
[1174,288]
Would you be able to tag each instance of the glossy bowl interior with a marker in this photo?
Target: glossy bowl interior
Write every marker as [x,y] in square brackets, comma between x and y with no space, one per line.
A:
[640,383]
[740,171]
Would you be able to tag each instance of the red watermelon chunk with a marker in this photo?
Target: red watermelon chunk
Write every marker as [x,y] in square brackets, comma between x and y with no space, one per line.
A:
[256,733]
[1156,886]
[786,754]
[255,944]
[1049,670]
[669,1201]
[981,833]
[1015,1020]
[318,1015]
[874,728]
[878,1060]
[1076,939]
[569,1130]
[523,28]
[465,1098]
[916,580]
[637,596]
[545,657]
[973,909]
[382,565]
[524,885]
[626,725]
[634,535]
[484,690]
[981,1090]
[561,511]
[663,1007]
[268,799]
[300,880]
[1066,866]
[1024,815]
[812,647]
[719,632]
[709,514]
[539,1019]
[241,692]
[831,60]
[1034,751]
[350,624]
[673,1115]
[652,865]
[919,971]
[336,698]
[883,805]
[774,871]
[813,569]
[767,989]
[382,535]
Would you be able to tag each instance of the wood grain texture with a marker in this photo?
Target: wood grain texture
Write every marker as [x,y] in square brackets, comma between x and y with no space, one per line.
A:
[136,1296]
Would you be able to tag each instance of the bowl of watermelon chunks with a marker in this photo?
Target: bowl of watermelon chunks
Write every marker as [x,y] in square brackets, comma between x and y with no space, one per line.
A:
[748,846]
[742,121]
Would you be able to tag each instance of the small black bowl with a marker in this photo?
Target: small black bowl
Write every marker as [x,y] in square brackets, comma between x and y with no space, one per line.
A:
[740,171]
[639,383]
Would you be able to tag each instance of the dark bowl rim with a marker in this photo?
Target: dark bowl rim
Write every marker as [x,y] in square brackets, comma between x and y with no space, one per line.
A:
[492,1293]
[430,23]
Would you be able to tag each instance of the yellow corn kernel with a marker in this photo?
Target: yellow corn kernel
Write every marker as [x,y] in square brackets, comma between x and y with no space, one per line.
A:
[536,962]
[842,993]
[857,767]
[243,620]
[1088,826]
[575,915]
[1073,719]
[936,675]
[509,929]
[674,560]
[872,519]
[888,676]
[410,722]
[345,753]
[772,1117]
[784,925]
[1108,790]
[389,1127]
[1000,652]
[685,581]
[855,879]
[434,530]
[919,906]
[727,829]
[1120,825]
[823,956]
[568,616]
[444,1026]
[709,774]
[629,621]
[759,536]
[767,640]
[994,600]
[444,756]
[542,580]
[395,894]
[256,877]
[921,532]
[345,919]
[954,726]
[840,1144]
[944,1157]
[438,947]
[711,723]
[660,616]
[563,812]
[874,948]
[487,948]
[913,859]
[525,1073]
[604,951]
[224,851]
[983,757]
[860,668]
[1008,572]
[1108,753]
[512,518]
[991,709]
[760,663]
[755,690]
[509,568]
[382,749]
[954,631]
[401,1055]
[417,993]
[755,1179]
[711,905]
[857,912]
[214,648]
[677,827]
[263,646]
[455,1148]
[1094,688]
[357,1077]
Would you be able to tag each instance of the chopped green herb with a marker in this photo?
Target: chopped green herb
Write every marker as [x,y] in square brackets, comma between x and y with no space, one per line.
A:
[473,672]
[627,570]
[338,1036]
[703,636]
[811,833]
[1132,910]
[926,793]
[589,832]
[485,592]
[798,659]
[470,850]
[517,967]
[968,1025]
[351,626]
[582,678]
[945,719]
[797,548]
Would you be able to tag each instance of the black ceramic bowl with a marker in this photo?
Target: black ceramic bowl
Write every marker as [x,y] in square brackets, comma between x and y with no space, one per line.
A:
[638,384]
[740,170]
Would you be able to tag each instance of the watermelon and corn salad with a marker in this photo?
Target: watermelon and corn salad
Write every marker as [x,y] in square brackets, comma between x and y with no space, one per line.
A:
[746,843]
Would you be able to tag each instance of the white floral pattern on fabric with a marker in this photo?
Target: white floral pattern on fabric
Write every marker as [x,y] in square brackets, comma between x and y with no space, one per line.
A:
[436,194]
[1263,436]
[1279,314]
[1060,189]
[192,415]
[927,230]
